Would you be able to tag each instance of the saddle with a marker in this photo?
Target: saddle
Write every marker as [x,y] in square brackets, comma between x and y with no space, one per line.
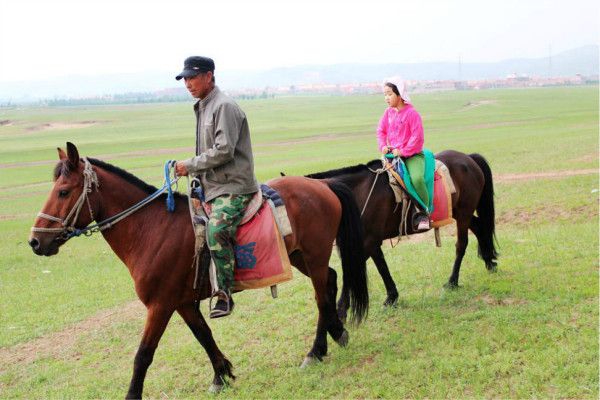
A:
[260,253]
[441,203]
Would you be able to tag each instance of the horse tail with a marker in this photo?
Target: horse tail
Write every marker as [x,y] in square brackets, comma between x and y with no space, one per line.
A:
[486,215]
[350,244]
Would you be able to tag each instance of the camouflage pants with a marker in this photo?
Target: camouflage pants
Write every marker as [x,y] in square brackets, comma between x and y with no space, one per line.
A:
[226,214]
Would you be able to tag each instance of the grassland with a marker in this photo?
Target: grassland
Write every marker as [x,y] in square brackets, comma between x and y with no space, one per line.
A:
[70,324]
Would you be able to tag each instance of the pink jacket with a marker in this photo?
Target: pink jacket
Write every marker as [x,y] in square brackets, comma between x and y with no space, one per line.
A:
[402,130]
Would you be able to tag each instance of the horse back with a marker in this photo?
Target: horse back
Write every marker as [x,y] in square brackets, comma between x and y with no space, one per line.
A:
[313,209]
[467,176]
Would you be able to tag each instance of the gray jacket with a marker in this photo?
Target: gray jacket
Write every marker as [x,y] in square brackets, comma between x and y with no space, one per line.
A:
[223,162]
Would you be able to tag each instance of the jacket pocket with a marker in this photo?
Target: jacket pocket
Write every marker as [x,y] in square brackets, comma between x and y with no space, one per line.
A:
[217,175]
[207,133]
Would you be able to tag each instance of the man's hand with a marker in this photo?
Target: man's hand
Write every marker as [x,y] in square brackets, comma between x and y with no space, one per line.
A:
[180,169]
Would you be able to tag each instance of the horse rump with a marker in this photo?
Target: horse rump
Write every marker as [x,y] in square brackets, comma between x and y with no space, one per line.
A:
[486,215]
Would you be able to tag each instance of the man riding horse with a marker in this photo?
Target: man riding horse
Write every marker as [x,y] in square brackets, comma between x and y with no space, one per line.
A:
[225,167]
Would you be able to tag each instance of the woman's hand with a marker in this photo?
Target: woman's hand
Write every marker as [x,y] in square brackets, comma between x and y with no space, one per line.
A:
[385,150]
[396,152]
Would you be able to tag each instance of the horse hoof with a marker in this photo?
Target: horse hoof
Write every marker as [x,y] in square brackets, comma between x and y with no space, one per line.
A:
[451,286]
[308,361]
[343,339]
[214,389]
[391,301]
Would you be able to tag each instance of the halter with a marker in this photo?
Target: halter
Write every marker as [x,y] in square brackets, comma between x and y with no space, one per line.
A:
[68,224]
[90,179]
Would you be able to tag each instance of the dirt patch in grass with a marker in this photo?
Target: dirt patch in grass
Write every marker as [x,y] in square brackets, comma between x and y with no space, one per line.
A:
[495,124]
[521,216]
[501,178]
[5,122]
[586,158]
[50,126]
[309,139]
[474,104]
[106,157]
[493,301]
[14,216]
[56,344]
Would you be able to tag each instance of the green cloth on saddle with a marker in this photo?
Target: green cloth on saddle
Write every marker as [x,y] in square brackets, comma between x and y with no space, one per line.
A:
[428,177]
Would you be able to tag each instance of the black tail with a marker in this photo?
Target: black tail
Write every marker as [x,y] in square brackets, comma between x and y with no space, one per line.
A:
[350,243]
[486,215]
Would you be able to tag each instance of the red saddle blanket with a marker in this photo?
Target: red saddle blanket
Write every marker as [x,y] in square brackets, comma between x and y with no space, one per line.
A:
[260,255]
[442,201]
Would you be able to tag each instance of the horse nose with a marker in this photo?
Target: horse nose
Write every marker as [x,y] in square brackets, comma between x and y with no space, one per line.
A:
[34,243]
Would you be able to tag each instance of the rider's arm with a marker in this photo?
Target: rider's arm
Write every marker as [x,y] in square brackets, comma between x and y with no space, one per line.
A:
[382,130]
[415,142]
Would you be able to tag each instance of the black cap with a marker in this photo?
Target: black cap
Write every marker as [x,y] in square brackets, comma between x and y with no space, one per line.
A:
[195,65]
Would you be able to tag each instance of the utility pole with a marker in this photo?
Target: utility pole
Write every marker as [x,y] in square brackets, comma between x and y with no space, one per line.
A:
[550,61]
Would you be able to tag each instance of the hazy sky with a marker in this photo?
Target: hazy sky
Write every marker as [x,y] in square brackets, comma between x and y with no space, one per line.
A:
[49,38]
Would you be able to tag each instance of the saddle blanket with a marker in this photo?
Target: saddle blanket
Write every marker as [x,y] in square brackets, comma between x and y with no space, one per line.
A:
[260,254]
[443,188]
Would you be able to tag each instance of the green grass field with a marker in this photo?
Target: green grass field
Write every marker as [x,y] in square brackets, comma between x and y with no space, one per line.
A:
[70,324]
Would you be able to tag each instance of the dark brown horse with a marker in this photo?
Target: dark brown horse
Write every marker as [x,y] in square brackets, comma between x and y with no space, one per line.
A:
[472,177]
[157,248]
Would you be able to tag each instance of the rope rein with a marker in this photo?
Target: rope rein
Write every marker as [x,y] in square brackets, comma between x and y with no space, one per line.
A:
[377,172]
[406,202]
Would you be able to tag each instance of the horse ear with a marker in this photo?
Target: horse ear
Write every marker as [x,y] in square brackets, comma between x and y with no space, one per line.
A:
[73,155]
[61,154]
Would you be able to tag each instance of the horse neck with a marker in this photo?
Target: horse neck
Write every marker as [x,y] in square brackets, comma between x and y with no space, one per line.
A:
[137,234]
[356,180]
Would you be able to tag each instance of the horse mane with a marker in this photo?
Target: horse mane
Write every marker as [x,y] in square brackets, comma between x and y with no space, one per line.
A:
[374,164]
[62,168]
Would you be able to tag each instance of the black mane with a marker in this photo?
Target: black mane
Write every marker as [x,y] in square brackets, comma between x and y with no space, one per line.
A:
[374,164]
[130,178]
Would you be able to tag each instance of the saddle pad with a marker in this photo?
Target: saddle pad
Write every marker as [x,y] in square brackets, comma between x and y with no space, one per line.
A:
[442,201]
[281,218]
[260,253]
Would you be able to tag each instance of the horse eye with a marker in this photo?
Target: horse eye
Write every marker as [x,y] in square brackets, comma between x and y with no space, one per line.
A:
[63,193]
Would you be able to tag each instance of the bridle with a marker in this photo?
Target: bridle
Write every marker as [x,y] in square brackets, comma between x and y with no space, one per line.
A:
[90,180]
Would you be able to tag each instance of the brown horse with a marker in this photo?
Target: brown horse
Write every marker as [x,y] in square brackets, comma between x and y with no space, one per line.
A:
[472,177]
[157,247]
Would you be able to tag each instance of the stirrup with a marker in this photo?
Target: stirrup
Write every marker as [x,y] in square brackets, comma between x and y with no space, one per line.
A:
[224,311]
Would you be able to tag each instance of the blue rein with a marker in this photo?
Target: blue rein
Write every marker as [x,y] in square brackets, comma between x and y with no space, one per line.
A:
[170,199]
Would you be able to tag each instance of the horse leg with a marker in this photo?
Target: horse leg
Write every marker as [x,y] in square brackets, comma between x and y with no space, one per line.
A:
[336,327]
[342,305]
[323,288]
[462,241]
[388,281]
[156,323]
[485,252]
[195,321]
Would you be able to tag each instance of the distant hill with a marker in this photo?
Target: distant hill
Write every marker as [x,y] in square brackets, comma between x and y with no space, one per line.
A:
[583,60]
